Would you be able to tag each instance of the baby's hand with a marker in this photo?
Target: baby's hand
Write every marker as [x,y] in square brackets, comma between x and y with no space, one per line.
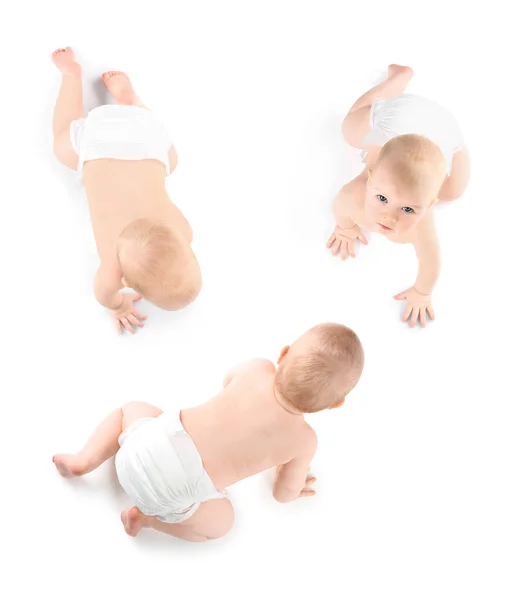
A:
[126,315]
[417,306]
[343,240]
[307,490]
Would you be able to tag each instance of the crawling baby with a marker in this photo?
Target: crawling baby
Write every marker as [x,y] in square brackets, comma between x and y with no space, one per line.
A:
[125,153]
[175,466]
[414,156]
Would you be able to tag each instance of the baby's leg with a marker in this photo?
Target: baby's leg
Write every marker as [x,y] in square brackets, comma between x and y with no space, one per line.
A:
[357,122]
[103,444]
[212,520]
[456,184]
[121,88]
[69,105]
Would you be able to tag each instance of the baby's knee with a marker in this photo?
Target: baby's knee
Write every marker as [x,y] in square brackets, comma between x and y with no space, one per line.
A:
[226,521]
[173,158]
[132,411]
[221,519]
[447,196]
[347,130]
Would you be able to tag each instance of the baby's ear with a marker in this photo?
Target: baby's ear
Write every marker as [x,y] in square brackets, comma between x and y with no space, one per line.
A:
[285,350]
[338,404]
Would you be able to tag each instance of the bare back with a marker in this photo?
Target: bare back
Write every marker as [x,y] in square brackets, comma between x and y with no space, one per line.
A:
[244,430]
[121,191]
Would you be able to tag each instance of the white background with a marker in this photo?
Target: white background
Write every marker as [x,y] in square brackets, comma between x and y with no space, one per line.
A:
[416,492]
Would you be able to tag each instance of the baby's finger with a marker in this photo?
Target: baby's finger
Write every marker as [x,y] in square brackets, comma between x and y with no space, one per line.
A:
[431,312]
[331,240]
[414,317]
[362,239]
[137,298]
[344,250]
[351,248]
[127,325]
[305,493]
[119,326]
[139,315]
[310,481]
[423,317]
[132,319]
[335,247]
[407,313]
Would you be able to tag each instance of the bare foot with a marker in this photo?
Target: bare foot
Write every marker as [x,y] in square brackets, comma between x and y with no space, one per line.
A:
[399,69]
[65,61]
[121,89]
[133,521]
[68,465]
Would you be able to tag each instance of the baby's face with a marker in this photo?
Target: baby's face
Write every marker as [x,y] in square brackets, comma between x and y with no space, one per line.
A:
[394,208]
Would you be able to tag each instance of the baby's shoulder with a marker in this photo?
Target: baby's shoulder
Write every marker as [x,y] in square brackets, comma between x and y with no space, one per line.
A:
[306,440]
[259,365]
[254,368]
[425,231]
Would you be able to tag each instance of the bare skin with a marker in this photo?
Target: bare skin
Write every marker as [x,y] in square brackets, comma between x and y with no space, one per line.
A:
[244,430]
[118,191]
[361,204]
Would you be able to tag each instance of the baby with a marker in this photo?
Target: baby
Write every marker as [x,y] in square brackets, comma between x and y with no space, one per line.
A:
[175,466]
[125,153]
[414,156]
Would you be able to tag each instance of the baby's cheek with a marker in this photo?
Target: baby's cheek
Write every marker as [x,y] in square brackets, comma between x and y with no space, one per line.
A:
[409,221]
[373,208]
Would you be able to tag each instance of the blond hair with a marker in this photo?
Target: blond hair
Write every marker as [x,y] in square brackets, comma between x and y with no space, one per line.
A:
[320,368]
[158,264]
[415,161]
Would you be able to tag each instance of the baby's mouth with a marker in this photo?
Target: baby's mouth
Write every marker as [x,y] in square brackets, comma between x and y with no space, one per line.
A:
[384,227]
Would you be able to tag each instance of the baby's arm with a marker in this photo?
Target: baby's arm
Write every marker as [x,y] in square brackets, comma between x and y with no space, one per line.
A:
[428,255]
[293,480]
[107,286]
[419,296]
[345,206]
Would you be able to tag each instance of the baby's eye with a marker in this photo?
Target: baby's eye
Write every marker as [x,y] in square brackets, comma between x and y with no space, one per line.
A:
[407,209]
[382,198]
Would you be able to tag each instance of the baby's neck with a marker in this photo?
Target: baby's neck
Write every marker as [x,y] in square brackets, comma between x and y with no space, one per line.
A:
[284,403]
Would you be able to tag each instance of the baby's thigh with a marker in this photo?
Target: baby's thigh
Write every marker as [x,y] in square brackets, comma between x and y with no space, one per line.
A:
[133,411]
[64,150]
[356,125]
[456,184]
[213,519]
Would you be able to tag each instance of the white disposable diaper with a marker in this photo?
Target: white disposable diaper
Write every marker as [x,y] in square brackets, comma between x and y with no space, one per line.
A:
[121,132]
[407,113]
[161,470]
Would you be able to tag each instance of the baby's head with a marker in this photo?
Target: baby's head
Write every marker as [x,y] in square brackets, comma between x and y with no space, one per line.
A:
[404,183]
[159,264]
[320,368]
